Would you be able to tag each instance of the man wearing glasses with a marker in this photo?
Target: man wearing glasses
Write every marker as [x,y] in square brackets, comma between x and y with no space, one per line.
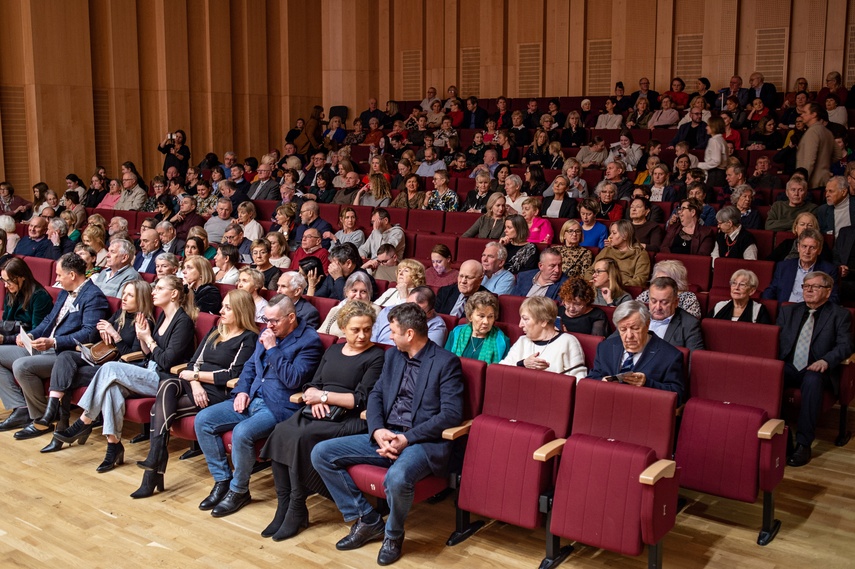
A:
[310,246]
[133,196]
[234,236]
[814,340]
[644,92]
[383,232]
[265,187]
[693,132]
[790,274]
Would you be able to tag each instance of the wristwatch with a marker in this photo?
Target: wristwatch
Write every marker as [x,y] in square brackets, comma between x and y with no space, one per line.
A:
[325,396]
[196,375]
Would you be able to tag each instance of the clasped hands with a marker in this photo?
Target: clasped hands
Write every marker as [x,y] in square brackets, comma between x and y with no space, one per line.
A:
[391,444]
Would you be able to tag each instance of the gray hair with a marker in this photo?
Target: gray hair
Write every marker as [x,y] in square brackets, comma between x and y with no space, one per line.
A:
[515,180]
[603,184]
[123,223]
[224,201]
[60,226]
[675,270]
[549,251]
[358,277]
[169,258]
[284,304]
[630,308]
[798,181]
[165,225]
[7,223]
[811,234]
[501,252]
[826,278]
[738,191]
[841,182]
[749,276]
[297,281]
[729,213]
[125,247]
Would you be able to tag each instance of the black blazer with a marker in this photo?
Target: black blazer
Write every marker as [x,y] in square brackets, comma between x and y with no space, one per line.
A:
[568,207]
[480,118]
[447,296]
[684,331]
[726,313]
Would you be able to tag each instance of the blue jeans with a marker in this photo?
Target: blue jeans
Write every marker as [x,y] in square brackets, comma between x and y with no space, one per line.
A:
[255,423]
[331,459]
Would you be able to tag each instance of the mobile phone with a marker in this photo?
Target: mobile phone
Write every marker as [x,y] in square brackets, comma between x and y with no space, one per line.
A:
[613,378]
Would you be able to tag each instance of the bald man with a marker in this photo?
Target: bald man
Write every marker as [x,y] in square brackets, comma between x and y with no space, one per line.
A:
[452,298]
[150,250]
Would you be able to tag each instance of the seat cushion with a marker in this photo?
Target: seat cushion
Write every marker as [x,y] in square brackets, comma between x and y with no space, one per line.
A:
[138,409]
[500,479]
[184,428]
[369,479]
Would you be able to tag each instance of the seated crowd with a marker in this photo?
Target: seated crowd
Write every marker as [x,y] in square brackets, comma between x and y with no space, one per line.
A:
[612,273]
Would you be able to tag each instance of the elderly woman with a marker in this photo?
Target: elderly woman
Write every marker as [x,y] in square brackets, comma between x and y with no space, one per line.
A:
[412,196]
[95,237]
[675,270]
[491,225]
[522,255]
[158,188]
[731,241]
[514,196]
[632,260]
[543,347]
[605,278]
[226,261]
[166,264]
[410,274]
[219,358]
[688,236]
[357,287]
[577,313]
[476,200]
[609,206]
[640,116]
[440,273]
[575,259]
[339,389]
[442,198]
[87,253]
[198,276]
[740,307]
[594,233]
[7,224]
[168,343]
[479,339]
[112,198]
[648,233]
[252,281]
[539,229]
[559,204]
[743,198]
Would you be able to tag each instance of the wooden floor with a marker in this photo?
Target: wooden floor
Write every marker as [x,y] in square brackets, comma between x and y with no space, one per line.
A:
[56,511]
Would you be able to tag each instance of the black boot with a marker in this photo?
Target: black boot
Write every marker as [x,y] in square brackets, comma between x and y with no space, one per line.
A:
[50,415]
[55,445]
[157,450]
[282,483]
[64,414]
[296,519]
[150,481]
[115,456]
[76,433]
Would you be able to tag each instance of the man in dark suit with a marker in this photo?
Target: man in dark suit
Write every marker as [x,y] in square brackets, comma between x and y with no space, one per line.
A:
[292,284]
[60,244]
[451,299]
[286,356]
[642,358]
[844,256]
[670,322]
[265,187]
[310,218]
[693,132]
[838,204]
[786,285]
[234,236]
[815,339]
[644,91]
[186,218]
[545,280]
[74,318]
[169,241]
[419,394]
[734,89]
[228,190]
[149,251]
[344,261]
[766,92]
[318,165]
[474,116]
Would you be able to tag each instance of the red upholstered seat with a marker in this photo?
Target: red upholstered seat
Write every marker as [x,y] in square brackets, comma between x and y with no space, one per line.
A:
[744,338]
[457,222]
[425,242]
[44,270]
[184,428]
[323,305]
[724,269]
[426,221]
[227,441]
[589,345]
[698,267]
[509,308]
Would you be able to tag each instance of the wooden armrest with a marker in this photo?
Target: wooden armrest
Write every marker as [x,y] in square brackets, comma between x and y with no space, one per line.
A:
[296,398]
[178,369]
[364,415]
[87,345]
[658,470]
[232,383]
[133,357]
[679,411]
[455,433]
[550,450]
[849,360]
[771,428]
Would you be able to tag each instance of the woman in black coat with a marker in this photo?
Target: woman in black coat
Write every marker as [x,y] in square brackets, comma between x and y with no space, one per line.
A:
[567,209]
[198,276]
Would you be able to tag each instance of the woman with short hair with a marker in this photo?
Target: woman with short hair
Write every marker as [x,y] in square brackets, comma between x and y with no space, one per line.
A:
[577,313]
[410,274]
[740,307]
[673,269]
[479,338]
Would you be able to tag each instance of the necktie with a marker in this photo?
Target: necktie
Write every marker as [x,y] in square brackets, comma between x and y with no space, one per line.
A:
[627,364]
[458,309]
[800,357]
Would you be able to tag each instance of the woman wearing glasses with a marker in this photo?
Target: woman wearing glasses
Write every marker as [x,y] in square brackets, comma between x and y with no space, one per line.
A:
[740,307]
[575,259]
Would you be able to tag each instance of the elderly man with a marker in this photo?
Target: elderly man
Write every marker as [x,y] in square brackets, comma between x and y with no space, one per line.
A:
[431,164]
[637,357]
[133,196]
[838,211]
[119,269]
[372,112]
[117,225]
[285,358]
[265,187]
[234,236]
[310,246]
[670,322]
[344,261]
[36,243]
[429,99]
[816,148]
[404,433]
[229,160]
[149,251]
[186,218]
[229,190]
[74,318]
[815,339]
[782,213]
[762,177]
[497,279]
[762,90]
[616,174]
[491,163]
[292,284]
[218,223]
[310,218]
[169,241]
[451,299]
[734,89]
[345,195]
[786,285]
[58,236]
[543,281]
[383,232]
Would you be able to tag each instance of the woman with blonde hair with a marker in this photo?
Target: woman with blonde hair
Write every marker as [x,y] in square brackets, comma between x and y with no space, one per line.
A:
[95,237]
[491,225]
[376,193]
[7,224]
[198,276]
[246,213]
[575,259]
[410,274]
[623,248]
[606,279]
[357,287]
[278,250]
[252,281]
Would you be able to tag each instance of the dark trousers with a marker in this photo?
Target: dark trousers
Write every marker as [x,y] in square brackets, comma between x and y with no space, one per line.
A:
[811,385]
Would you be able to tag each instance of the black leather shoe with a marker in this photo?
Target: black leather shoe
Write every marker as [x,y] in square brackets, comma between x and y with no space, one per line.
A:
[233,502]
[32,431]
[218,492]
[19,418]
[360,534]
[51,413]
[800,457]
[54,445]
[76,433]
[390,551]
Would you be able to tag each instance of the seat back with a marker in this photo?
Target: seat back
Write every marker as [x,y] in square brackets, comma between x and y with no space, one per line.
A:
[43,269]
[724,269]
[741,338]
[640,416]
[327,340]
[474,377]
[204,323]
[698,267]
[322,304]
[426,221]
[746,380]
[509,308]
[589,345]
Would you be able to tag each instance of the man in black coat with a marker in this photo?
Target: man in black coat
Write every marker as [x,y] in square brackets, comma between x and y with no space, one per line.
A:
[475,116]
[670,322]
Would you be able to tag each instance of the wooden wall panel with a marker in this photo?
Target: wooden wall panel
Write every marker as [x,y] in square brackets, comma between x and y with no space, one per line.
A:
[525,26]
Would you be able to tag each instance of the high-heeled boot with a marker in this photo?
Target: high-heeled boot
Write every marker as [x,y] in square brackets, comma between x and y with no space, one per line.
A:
[51,413]
[76,433]
[296,519]
[151,479]
[157,450]
[115,456]
[282,483]
[61,425]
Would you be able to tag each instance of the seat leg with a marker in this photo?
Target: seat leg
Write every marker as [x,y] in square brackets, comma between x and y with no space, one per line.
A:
[145,434]
[770,524]
[843,434]
[654,556]
[260,465]
[465,528]
[555,554]
[194,451]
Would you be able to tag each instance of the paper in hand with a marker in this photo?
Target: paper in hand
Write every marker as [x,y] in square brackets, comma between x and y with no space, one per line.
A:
[25,340]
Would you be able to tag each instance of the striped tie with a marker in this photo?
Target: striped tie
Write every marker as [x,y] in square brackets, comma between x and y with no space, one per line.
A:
[800,357]
[627,364]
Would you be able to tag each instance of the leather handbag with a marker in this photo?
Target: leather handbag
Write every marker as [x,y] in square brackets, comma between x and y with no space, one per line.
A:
[335,414]
[102,353]
[10,327]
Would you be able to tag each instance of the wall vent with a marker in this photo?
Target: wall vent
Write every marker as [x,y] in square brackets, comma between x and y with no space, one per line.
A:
[411,74]
[15,145]
[529,69]
[599,72]
[470,71]
[770,55]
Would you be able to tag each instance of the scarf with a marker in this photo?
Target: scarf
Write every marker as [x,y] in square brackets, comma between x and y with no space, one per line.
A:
[489,349]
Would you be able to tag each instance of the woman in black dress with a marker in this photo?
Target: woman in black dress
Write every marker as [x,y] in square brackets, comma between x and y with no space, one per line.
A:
[344,378]
[577,313]
[219,358]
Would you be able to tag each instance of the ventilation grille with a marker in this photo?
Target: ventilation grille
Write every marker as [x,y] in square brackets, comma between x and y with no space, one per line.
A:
[103,147]
[411,63]
[850,56]
[15,149]
[470,71]
[529,69]
[771,55]
[688,51]
[599,73]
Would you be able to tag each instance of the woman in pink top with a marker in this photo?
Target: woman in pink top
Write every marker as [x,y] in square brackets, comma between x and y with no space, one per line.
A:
[539,229]
[112,197]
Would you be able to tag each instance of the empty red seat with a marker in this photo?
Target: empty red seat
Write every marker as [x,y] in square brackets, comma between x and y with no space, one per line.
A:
[457,222]
[470,248]
[44,270]
[426,221]
[509,308]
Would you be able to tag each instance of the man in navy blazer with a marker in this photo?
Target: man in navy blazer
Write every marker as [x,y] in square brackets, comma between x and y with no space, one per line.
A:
[74,318]
[286,357]
[545,280]
[786,285]
[828,346]
[642,358]
[766,92]
[150,250]
[418,395]
[452,298]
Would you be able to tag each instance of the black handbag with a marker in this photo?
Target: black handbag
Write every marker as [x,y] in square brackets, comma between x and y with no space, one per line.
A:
[335,414]
[10,327]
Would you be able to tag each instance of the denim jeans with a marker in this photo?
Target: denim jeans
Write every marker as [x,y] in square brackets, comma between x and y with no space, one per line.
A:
[255,423]
[331,459]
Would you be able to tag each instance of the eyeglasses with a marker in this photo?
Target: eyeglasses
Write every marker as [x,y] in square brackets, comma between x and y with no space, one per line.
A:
[734,284]
[599,271]
[814,287]
[574,231]
[274,321]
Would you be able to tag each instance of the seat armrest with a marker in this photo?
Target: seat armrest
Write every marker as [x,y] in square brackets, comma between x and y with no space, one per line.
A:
[133,357]
[455,433]
[679,411]
[849,360]
[296,398]
[232,383]
[657,471]
[549,450]
[175,370]
[771,428]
